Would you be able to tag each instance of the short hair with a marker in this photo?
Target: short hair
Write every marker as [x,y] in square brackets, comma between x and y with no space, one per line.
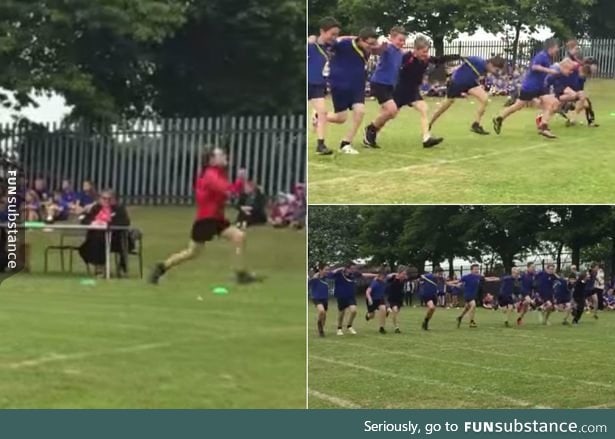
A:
[349,264]
[422,42]
[402,268]
[529,264]
[566,61]
[438,270]
[550,43]
[328,23]
[367,32]
[473,266]
[497,61]
[398,30]
[550,265]
[586,69]
[571,43]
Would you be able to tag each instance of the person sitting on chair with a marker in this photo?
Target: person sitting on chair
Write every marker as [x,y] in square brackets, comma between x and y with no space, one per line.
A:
[105,212]
[252,204]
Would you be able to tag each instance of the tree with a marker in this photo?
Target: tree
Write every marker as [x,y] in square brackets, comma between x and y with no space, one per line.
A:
[333,237]
[505,230]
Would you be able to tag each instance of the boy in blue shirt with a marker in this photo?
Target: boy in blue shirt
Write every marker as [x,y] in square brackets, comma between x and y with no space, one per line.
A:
[467,79]
[506,301]
[429,287]
[318,58]
[533,87]
[347,77]
[384,79]
[472,284]
[527,290]
[345,285]
[545,281]
[562,288]
[319,291]
[374,299]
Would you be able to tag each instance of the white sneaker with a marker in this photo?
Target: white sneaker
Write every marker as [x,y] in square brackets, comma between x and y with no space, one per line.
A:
[340,332]
[348,149]
[352,331]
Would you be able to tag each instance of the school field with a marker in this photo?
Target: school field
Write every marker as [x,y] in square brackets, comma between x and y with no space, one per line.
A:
[126,344]
[492,366]
[519,166]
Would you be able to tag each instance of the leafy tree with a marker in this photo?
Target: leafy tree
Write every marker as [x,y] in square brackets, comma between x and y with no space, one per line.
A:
[333,236]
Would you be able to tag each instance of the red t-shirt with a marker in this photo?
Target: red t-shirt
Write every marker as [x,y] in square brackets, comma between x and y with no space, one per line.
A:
[211,193]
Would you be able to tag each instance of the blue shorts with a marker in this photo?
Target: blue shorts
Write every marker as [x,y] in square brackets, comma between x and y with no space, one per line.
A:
[344,99]
[323,302]
[546,297]
[469,297]
[316,91]
[345,302]
[505,301]
[562,299]
[527,95]
[404,96]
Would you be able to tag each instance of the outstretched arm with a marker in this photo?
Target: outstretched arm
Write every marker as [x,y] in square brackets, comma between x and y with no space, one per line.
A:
[437,60]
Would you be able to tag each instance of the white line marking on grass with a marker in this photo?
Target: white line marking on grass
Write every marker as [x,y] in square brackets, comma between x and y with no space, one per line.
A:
[339,402]
[53,357]
[608,405]
[423,380]
[434,164]
[491,369]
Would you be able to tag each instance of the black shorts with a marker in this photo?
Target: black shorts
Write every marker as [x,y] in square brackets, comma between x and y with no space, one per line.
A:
[376,303]
[403,97]
[344,99]
[529,95]
[323,302]
[382,92]
[316,91]
[455,90]
[397,301]
[204,230]
[504,301]
[345,302]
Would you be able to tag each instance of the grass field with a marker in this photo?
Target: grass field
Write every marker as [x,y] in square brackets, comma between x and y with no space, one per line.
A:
[488,367]
[519,166]
[126,344]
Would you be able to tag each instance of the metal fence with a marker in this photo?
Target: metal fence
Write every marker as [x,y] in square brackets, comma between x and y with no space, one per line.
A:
[155,162]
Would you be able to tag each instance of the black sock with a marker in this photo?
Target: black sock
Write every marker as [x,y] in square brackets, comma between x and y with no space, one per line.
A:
[339,327]
[475,125]
[344,143]
[349,326]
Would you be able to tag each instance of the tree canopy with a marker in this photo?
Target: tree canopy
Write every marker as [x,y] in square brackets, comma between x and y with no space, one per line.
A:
[415,234]
[112,59]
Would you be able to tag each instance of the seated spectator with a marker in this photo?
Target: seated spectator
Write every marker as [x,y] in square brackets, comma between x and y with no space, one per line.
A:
[488,301]
[108,212]
[68,194]
[40,187]
[281,213]
[299,207]
[58,209]
[86,198]
[239,185]
[252,204]
[32,206]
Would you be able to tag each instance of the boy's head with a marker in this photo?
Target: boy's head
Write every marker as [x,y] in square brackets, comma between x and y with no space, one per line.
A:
[368,39]
[87,186]
[439,272]
[474,268]
[350,267]
[530,267]
[572,47]
[550,268]
[382,274]
[402,272]
[397,36]
[495,64]
[552,46]
[567,66]
[67,185]
[421,48]
[39,184]
[323,269]
[514,272]
[329,29]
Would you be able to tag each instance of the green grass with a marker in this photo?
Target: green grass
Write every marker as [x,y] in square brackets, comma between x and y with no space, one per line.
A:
[519,166]
[488,367]
[126,344]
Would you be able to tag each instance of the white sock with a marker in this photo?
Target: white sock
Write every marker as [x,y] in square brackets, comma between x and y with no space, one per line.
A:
[426,137]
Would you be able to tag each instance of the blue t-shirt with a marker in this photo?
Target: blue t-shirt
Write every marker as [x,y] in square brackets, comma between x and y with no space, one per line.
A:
[317,60]
[319,288]
[544,283]
[471,283]
[429,285]
[388,66]
[535,81]
[345,285]
[507,286]
[378,287]
[466,75]
[347,66]
[562,292]
[69,197]
[84,198]
[527,283]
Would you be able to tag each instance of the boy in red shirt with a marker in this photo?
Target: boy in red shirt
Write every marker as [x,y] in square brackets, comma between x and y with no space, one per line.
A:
[211,193]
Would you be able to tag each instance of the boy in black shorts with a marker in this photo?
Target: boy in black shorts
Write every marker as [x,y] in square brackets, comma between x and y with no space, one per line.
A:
[374,299]
[395,294]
